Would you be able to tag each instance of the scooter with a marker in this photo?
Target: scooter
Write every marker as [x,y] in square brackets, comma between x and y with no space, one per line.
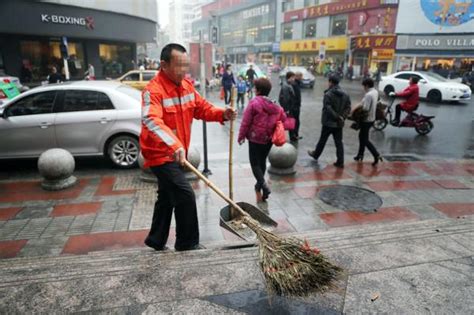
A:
[421,123]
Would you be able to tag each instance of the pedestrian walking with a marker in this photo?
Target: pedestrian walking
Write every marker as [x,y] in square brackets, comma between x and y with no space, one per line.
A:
[287,93]
[258,124]
[251,75]
[241,90]
[227,83]
[336,108]
[169,105]
[377,76]
[369,106]
[54,76]
[296,108]
[90,73]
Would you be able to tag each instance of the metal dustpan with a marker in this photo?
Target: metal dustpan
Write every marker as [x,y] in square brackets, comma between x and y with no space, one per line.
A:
[253,211]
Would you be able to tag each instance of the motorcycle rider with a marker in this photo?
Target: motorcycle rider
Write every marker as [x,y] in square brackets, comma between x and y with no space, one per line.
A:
[412,95]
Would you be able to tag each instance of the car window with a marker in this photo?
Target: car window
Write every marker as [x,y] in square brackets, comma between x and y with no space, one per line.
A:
[147,76]
[104,102]
[81,100]
[132,77]
[404,76]
[39,103]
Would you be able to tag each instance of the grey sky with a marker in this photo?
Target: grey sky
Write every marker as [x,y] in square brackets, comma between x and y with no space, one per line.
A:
[163,12]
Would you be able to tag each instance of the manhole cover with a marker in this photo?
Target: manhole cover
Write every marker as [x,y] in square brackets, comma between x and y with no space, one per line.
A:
[401,158]
[350,198]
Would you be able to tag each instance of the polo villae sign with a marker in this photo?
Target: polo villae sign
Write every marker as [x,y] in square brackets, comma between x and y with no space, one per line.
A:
[87,21]
[436,42]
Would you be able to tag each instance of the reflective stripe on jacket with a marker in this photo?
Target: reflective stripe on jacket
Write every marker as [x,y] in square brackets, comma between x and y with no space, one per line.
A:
[167,114]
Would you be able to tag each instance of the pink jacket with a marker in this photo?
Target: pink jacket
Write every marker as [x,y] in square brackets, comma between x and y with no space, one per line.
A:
[260,118]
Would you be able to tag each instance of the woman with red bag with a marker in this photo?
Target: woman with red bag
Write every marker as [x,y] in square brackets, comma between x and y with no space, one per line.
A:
[258,125]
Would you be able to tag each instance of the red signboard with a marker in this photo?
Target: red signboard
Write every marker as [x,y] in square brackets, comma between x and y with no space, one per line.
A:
[214,7]
[333,9]
[194,64]
[373,21]
[374,42]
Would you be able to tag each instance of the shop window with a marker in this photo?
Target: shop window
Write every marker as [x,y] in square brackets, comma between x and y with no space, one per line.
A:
[288,5]
[310,3]
[116,59]
[287,31]
[338,25]
[310,28]
[39,103]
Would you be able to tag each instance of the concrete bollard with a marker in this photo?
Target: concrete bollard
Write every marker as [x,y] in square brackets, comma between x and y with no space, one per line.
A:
[283,159]
[146,174]
[56,166]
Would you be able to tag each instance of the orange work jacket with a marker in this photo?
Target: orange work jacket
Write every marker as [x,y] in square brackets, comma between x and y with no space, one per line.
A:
[168,110]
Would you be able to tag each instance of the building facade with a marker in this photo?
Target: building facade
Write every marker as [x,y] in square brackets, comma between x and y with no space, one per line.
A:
[338,33]
[37,35]
[182,16]
[442,41]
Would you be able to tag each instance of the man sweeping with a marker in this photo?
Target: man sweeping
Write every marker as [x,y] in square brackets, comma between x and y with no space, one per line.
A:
[169,105]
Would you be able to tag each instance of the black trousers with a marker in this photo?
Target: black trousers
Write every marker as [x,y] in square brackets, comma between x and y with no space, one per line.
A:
[296,115]
[364,140]
[258,154]
[241,99]
[174,193]
[337,136]
[398,112]
[227,94]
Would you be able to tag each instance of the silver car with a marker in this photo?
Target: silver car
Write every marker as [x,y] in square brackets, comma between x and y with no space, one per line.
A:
[87,118]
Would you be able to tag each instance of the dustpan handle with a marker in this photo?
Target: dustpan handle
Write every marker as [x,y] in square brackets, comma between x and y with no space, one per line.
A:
[231,148]
[215,188]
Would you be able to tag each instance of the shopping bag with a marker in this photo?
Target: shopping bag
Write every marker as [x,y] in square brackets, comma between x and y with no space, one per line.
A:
[222,94]
[279,137]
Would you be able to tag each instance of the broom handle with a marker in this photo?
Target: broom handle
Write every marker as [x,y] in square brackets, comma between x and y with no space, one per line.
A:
[215,188]
[231,148]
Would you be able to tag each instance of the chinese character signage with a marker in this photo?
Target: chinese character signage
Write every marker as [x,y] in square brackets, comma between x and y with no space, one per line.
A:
[374,42]
[315,45]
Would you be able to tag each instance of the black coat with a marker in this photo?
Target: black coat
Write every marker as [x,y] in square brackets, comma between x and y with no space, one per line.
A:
[336,107]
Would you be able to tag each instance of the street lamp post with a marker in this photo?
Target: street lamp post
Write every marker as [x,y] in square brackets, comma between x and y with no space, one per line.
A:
[206,171]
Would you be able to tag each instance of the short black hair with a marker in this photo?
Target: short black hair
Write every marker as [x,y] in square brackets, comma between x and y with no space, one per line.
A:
[263,86]
[290,74]
[334,79]
[227,67]
[368,82]
[168,49]
[414,79]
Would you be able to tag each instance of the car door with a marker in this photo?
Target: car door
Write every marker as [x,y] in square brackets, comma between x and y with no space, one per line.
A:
[83,119]
[424,85]
[27,126]
[400,82]
[146,78]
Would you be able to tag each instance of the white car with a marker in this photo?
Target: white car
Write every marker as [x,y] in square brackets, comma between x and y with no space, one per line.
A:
[87,118]
[432,86]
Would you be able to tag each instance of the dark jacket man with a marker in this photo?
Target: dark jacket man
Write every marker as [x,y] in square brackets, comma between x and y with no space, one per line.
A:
[287,93]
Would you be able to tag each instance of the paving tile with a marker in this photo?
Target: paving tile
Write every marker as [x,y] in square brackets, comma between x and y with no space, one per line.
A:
[450,184]
[34,228]
[210,233]
[104,222]
[123,221]
[9,213]
[305,223]
[83,244]
[10,249]
[328,173]
[51,246]
[11,229]
[34,212]
[426,212]
[357,217]
[58,227]
[403,185]
[21,191]
[307,192]
[81,225]
[74,209]
[455,210]
[284,226]
[118,205]
[106,185]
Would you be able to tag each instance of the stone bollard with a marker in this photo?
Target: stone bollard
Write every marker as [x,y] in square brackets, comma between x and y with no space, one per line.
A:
[194,157]
[146,174]
[56,166]
[283,159]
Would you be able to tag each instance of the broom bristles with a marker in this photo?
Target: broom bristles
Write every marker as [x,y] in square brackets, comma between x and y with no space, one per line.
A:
[289,265]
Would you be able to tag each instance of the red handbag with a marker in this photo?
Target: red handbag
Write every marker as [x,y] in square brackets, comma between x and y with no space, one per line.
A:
[279,137]
[290,123]
[222,94]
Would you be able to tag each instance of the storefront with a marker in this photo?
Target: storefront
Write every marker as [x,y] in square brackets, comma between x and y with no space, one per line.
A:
[372,51]
[448,50]
[46,33]
[319,52]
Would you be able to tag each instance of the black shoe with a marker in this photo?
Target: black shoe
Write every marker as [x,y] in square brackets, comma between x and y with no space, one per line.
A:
[311,154]
[195,247]
[396,123]
[294,139]
[339,165]
[377,160]
[265,192]
[358,158]
[154,246]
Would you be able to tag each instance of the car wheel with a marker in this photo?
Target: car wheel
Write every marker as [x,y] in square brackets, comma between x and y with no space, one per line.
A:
[123,151]
[434,96]
[380,124]
[388,89]
[424,127]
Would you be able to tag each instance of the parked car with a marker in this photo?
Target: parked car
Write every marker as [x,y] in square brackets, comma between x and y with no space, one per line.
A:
[87,118]
[4,78]
[8,91]
[137,78]
[432,86]
[308,78]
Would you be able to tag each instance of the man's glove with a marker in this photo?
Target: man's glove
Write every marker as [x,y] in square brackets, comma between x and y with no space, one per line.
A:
[392,94]
[180,156]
